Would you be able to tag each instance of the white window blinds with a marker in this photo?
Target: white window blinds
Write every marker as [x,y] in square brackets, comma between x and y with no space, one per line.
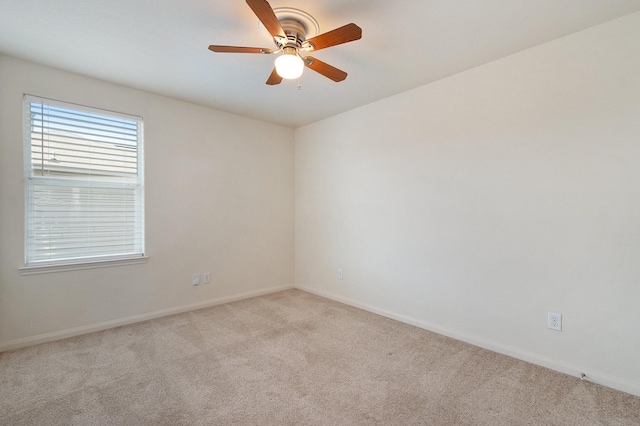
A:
[84,183]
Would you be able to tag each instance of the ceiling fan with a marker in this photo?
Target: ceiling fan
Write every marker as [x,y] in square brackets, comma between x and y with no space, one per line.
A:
[289,34]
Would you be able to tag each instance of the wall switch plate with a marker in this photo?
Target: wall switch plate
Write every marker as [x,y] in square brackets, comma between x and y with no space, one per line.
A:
[206,277]
[554,321]
[340,275]
[195,279]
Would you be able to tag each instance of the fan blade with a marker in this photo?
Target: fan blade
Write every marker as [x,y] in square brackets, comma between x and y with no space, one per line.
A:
[345,34]
[236,49]
[325,69]
[265,14]
[274,78]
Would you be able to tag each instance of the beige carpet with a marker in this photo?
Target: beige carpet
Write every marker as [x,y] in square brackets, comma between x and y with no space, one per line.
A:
[289,358]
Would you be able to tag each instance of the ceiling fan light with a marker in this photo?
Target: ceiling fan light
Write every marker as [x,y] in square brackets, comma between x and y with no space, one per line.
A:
[289,66]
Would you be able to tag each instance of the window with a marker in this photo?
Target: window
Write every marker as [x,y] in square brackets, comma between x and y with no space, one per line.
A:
[83,184]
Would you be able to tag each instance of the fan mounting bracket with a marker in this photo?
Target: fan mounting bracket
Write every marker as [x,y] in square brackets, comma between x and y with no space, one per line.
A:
[308,22]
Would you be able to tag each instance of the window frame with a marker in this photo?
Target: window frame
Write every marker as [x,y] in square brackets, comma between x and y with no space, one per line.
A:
[92,261]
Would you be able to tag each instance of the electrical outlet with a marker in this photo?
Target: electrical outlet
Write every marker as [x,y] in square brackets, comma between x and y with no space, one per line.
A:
[554,321]
[340,276]
[195,279]
[206,277]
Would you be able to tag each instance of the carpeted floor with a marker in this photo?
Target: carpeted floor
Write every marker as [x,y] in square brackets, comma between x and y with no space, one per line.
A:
[289,358]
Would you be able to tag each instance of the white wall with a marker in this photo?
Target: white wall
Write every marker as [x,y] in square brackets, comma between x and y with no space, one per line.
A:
[219,198]
[474,205]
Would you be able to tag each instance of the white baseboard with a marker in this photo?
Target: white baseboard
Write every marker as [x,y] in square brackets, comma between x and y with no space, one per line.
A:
[85,329]
[566,368]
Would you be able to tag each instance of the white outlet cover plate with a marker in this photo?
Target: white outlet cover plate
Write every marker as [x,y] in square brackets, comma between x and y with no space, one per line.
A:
[195,279]
[206,277]
[554,321]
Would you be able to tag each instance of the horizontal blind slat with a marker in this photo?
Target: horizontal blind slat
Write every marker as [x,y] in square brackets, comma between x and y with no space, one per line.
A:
[73,119]
[61,148]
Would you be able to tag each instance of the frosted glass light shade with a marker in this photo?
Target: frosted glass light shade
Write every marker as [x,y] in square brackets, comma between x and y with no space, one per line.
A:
[289,66]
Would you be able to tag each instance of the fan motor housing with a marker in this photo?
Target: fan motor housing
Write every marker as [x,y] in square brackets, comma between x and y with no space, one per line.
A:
[295,30]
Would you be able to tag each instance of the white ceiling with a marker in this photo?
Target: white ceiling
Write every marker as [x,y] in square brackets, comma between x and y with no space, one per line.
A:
[161,45]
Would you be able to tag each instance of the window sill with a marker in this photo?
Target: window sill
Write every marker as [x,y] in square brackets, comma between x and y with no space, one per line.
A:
[63,267]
